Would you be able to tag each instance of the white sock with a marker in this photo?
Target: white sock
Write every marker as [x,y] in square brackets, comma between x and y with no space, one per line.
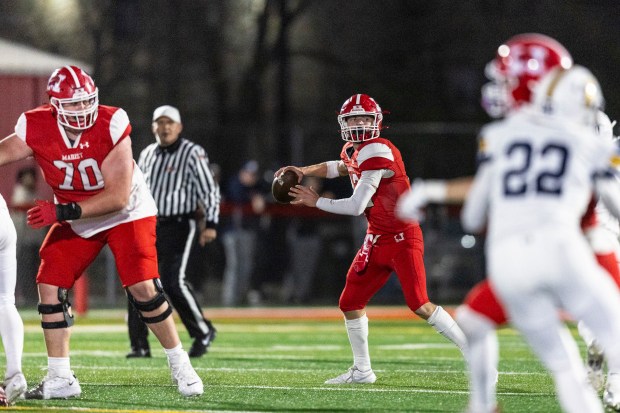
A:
[59,367]
[447,327]
[358,337]
[482,357]
[176,355]
[12,332]
[574,394]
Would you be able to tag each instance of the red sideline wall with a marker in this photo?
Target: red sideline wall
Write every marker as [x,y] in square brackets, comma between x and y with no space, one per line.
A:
[19,93]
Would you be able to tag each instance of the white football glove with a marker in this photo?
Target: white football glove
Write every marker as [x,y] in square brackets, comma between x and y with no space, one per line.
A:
[410,205]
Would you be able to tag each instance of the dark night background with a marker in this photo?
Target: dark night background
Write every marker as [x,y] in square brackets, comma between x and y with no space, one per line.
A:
[263,79]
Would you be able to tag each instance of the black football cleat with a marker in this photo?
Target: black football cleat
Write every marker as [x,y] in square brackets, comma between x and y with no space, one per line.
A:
[201,344]
[138,353]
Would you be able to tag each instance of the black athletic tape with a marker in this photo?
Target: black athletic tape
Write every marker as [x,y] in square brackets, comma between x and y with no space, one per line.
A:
[66,212]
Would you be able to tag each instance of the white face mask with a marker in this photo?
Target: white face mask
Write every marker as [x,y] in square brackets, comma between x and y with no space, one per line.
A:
[79,117]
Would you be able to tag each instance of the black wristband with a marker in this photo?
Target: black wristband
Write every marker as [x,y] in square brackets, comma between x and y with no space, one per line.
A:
[69,211]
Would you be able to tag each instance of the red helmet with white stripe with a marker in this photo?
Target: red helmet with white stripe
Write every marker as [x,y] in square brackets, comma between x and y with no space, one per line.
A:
[518,65]
[360,105]
[74,96]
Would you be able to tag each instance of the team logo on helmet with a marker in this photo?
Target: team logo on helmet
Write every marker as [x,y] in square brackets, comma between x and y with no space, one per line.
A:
[360,105]
[518,65]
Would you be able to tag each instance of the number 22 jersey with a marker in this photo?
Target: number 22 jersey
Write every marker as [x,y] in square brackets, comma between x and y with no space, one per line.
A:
[535,172]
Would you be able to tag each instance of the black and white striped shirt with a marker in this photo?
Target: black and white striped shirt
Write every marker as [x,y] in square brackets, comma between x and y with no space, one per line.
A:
[180,180]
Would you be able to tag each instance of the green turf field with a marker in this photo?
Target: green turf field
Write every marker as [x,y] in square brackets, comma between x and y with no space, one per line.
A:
[272,365]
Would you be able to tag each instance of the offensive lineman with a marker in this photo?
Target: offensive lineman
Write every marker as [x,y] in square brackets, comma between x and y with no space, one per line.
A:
[84,152]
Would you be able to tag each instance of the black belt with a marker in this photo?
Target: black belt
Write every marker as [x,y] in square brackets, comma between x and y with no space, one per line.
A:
[174,218]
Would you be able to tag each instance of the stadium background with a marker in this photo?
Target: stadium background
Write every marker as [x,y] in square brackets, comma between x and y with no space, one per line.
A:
[263,80]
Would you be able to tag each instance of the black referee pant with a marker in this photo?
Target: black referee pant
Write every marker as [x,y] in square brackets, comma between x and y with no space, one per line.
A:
[175,236]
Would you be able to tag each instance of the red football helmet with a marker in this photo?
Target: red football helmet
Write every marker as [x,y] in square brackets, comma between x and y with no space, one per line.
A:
[360,105]
[518,65]
[74,96]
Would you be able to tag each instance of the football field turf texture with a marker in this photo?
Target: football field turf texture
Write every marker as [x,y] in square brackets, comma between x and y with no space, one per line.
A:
[276,360]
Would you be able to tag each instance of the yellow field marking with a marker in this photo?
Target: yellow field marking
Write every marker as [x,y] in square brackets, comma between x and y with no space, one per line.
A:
[98,410]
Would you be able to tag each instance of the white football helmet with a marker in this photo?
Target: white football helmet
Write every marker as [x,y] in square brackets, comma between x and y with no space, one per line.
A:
[574,94]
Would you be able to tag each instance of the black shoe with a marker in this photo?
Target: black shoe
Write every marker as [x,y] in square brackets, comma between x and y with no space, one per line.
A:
[138,353]
[201,344]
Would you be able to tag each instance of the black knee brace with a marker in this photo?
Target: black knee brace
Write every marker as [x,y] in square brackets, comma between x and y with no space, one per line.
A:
[151,305]
[62,307]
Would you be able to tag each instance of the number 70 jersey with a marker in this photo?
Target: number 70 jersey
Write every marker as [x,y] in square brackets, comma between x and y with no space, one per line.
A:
[537,170]
[72,169]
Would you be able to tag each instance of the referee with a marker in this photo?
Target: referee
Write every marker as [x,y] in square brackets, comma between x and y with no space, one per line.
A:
[178,175]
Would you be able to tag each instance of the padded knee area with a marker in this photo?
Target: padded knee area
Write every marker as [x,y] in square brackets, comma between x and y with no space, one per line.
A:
[62,307]
[151,305]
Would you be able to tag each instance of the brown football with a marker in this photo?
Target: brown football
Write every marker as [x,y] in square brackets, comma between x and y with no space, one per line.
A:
[281,186]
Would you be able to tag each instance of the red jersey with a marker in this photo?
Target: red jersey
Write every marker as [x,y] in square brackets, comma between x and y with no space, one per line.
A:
[378,154]
[72,169]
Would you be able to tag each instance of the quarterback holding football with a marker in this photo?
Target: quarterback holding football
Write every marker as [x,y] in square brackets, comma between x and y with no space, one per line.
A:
[377,173]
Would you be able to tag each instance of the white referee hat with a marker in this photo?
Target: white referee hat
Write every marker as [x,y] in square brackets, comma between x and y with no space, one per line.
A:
[167,111]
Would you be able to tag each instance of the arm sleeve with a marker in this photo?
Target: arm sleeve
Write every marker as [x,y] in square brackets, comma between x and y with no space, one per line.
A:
[208,188]
[356,203]
[474,213]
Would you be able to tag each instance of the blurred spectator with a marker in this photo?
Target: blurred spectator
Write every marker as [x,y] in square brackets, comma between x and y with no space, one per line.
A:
[270,258]
[245,193]
[28,240]
[305,240]
[206,263]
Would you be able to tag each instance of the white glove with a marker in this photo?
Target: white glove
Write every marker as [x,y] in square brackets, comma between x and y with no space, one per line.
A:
[410,205]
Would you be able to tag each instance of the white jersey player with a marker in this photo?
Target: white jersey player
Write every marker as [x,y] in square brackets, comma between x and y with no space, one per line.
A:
[12,326]
[603,237]
[535,181]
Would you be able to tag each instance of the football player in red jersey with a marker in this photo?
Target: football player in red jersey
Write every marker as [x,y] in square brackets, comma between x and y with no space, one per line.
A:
[84,151]
[519,64]
[378,177]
